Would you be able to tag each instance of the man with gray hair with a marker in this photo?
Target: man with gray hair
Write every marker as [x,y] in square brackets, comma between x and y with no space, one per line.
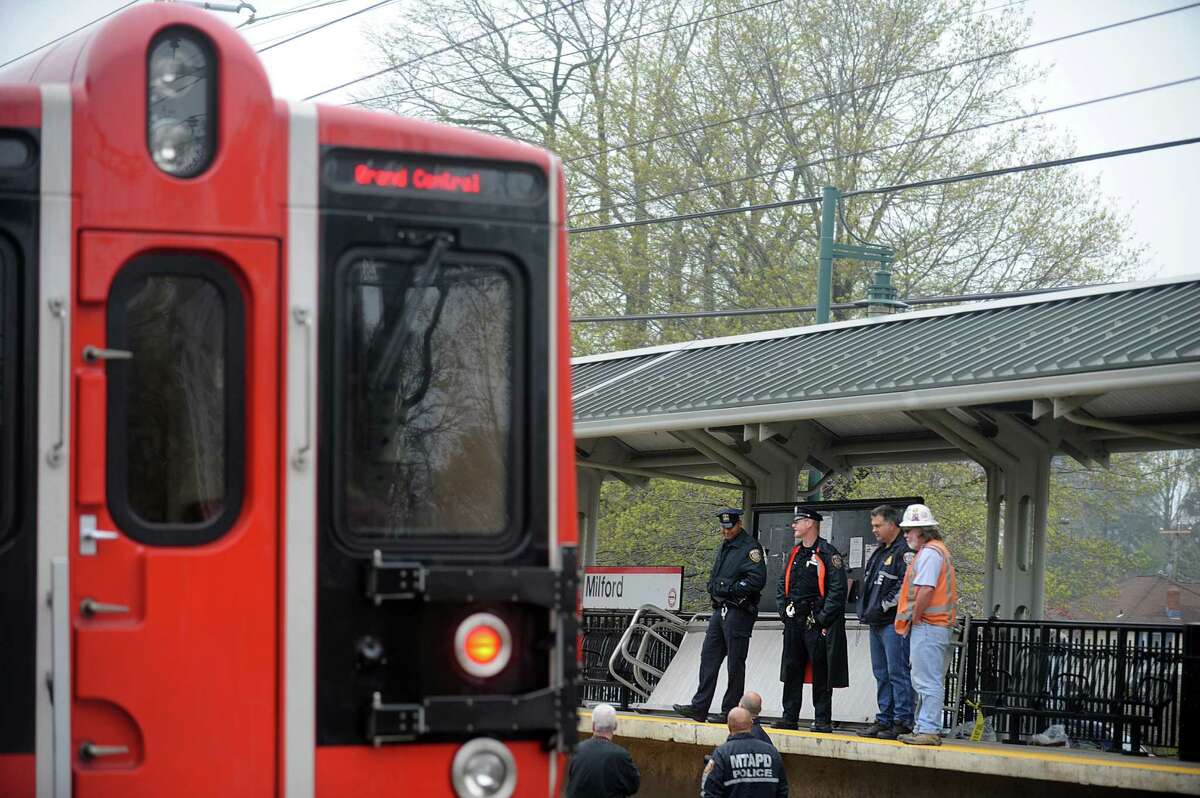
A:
[600,768]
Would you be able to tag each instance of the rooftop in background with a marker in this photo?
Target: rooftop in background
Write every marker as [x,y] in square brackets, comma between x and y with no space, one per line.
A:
[1141,599]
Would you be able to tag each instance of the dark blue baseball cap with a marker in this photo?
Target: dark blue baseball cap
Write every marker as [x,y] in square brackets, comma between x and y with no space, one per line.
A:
[729,516]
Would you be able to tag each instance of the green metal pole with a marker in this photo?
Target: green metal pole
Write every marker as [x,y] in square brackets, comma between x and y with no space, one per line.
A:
[829,201]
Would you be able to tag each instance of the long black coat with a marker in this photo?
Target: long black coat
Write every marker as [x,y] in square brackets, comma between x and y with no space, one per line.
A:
[830,615]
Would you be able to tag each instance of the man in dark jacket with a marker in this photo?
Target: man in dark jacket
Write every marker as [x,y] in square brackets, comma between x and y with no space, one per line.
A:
[812,605]
[599,767]
[752,703]
[738,575]
[743,767]
[877,608]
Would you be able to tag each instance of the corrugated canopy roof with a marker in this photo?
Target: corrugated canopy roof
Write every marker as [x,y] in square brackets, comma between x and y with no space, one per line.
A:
[1110,337]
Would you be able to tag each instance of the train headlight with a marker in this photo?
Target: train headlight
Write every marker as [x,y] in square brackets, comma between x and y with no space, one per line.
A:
[484,768]
[181,110]
[483,644]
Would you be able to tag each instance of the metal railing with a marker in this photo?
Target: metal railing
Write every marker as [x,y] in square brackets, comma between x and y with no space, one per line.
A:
[1115,685]
[602,630]
[657,635]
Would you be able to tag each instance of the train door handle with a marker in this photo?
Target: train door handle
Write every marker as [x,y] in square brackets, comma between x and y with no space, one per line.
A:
[90,607]
[89,751]
[89,535]
[93,353]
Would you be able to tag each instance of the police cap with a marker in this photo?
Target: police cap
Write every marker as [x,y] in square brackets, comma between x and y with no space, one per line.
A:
[808,512]
[729,516]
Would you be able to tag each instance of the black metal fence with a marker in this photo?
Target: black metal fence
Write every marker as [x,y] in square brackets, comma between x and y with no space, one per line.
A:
[1116,685]
[601,632]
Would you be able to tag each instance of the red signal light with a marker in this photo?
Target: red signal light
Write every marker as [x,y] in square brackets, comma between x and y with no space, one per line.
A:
[483,644]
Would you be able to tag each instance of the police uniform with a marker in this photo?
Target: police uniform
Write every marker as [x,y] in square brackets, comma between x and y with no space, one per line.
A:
[744,767]
[811,597]
[738,575]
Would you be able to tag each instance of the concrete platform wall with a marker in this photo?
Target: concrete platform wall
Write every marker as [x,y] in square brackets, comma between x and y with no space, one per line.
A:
[672,770]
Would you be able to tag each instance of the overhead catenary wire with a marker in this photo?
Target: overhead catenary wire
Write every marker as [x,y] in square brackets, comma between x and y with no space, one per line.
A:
[940,181]
[920,300]
[440,50]
[896,145]
[324,25]
[880,84]
[41,47]
[313,5]
[668,29]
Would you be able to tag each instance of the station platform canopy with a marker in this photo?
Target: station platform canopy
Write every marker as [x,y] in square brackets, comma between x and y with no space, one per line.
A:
[1007,383]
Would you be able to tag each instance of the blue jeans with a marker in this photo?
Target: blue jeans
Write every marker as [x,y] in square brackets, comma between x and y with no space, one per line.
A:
[927,652]
[889,661]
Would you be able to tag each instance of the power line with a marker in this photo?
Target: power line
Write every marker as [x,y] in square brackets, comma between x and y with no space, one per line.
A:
[879,84]
[899,187]
[1012,170]
[312,5]
[324,25]
[884,147]
[71,33]
[710,314]
[439,51]
[668,29]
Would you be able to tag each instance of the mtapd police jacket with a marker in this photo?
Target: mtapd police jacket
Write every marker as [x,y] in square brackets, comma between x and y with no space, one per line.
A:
[881,582]
[743,767]
[739,572]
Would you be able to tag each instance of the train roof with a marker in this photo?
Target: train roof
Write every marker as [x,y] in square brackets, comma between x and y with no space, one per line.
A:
[100,54]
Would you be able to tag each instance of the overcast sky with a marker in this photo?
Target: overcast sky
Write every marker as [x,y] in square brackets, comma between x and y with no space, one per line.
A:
[1158,190]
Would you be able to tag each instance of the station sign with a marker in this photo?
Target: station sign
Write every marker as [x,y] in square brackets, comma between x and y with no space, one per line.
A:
[628,588]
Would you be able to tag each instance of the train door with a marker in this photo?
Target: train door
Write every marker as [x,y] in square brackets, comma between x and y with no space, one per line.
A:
[175,526]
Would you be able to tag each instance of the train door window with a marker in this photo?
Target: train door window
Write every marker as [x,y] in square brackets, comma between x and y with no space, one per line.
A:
[427,430]
[8,388]
[176,407]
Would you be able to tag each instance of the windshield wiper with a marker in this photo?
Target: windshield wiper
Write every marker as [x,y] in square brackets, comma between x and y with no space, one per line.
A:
[406,326]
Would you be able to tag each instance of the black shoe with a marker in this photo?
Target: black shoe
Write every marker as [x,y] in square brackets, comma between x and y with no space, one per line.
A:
[877,730]
[789,725]
[690,712]
[821,728]
[716,718]
[894,732]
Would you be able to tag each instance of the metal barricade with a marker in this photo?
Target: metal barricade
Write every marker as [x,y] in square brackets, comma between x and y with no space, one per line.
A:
[657,635]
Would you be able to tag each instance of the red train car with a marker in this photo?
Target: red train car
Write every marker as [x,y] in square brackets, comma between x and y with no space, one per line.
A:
[285,448]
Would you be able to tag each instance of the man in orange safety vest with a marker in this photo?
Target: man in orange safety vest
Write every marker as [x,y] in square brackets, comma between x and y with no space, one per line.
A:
[926,614]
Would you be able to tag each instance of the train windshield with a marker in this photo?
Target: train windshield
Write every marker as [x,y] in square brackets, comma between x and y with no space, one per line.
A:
[426,364]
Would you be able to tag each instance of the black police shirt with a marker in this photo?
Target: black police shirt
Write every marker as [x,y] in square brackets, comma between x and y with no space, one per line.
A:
[805,585]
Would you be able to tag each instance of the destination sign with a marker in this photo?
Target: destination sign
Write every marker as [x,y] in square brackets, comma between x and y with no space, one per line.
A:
[361,171]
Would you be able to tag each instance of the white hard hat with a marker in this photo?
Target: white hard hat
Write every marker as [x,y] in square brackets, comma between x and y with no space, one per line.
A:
[918,515]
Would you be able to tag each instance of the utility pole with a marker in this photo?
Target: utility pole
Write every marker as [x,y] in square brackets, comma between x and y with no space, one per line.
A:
[881,294]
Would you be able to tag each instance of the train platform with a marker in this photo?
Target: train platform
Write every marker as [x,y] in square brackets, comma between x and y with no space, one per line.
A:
[663,744]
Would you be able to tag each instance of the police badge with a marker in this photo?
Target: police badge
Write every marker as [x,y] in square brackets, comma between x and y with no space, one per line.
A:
[756,555]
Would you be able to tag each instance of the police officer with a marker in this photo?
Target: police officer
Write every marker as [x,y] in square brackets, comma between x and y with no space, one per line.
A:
[738,575]
[742,766]
[877,610]
[812,604]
